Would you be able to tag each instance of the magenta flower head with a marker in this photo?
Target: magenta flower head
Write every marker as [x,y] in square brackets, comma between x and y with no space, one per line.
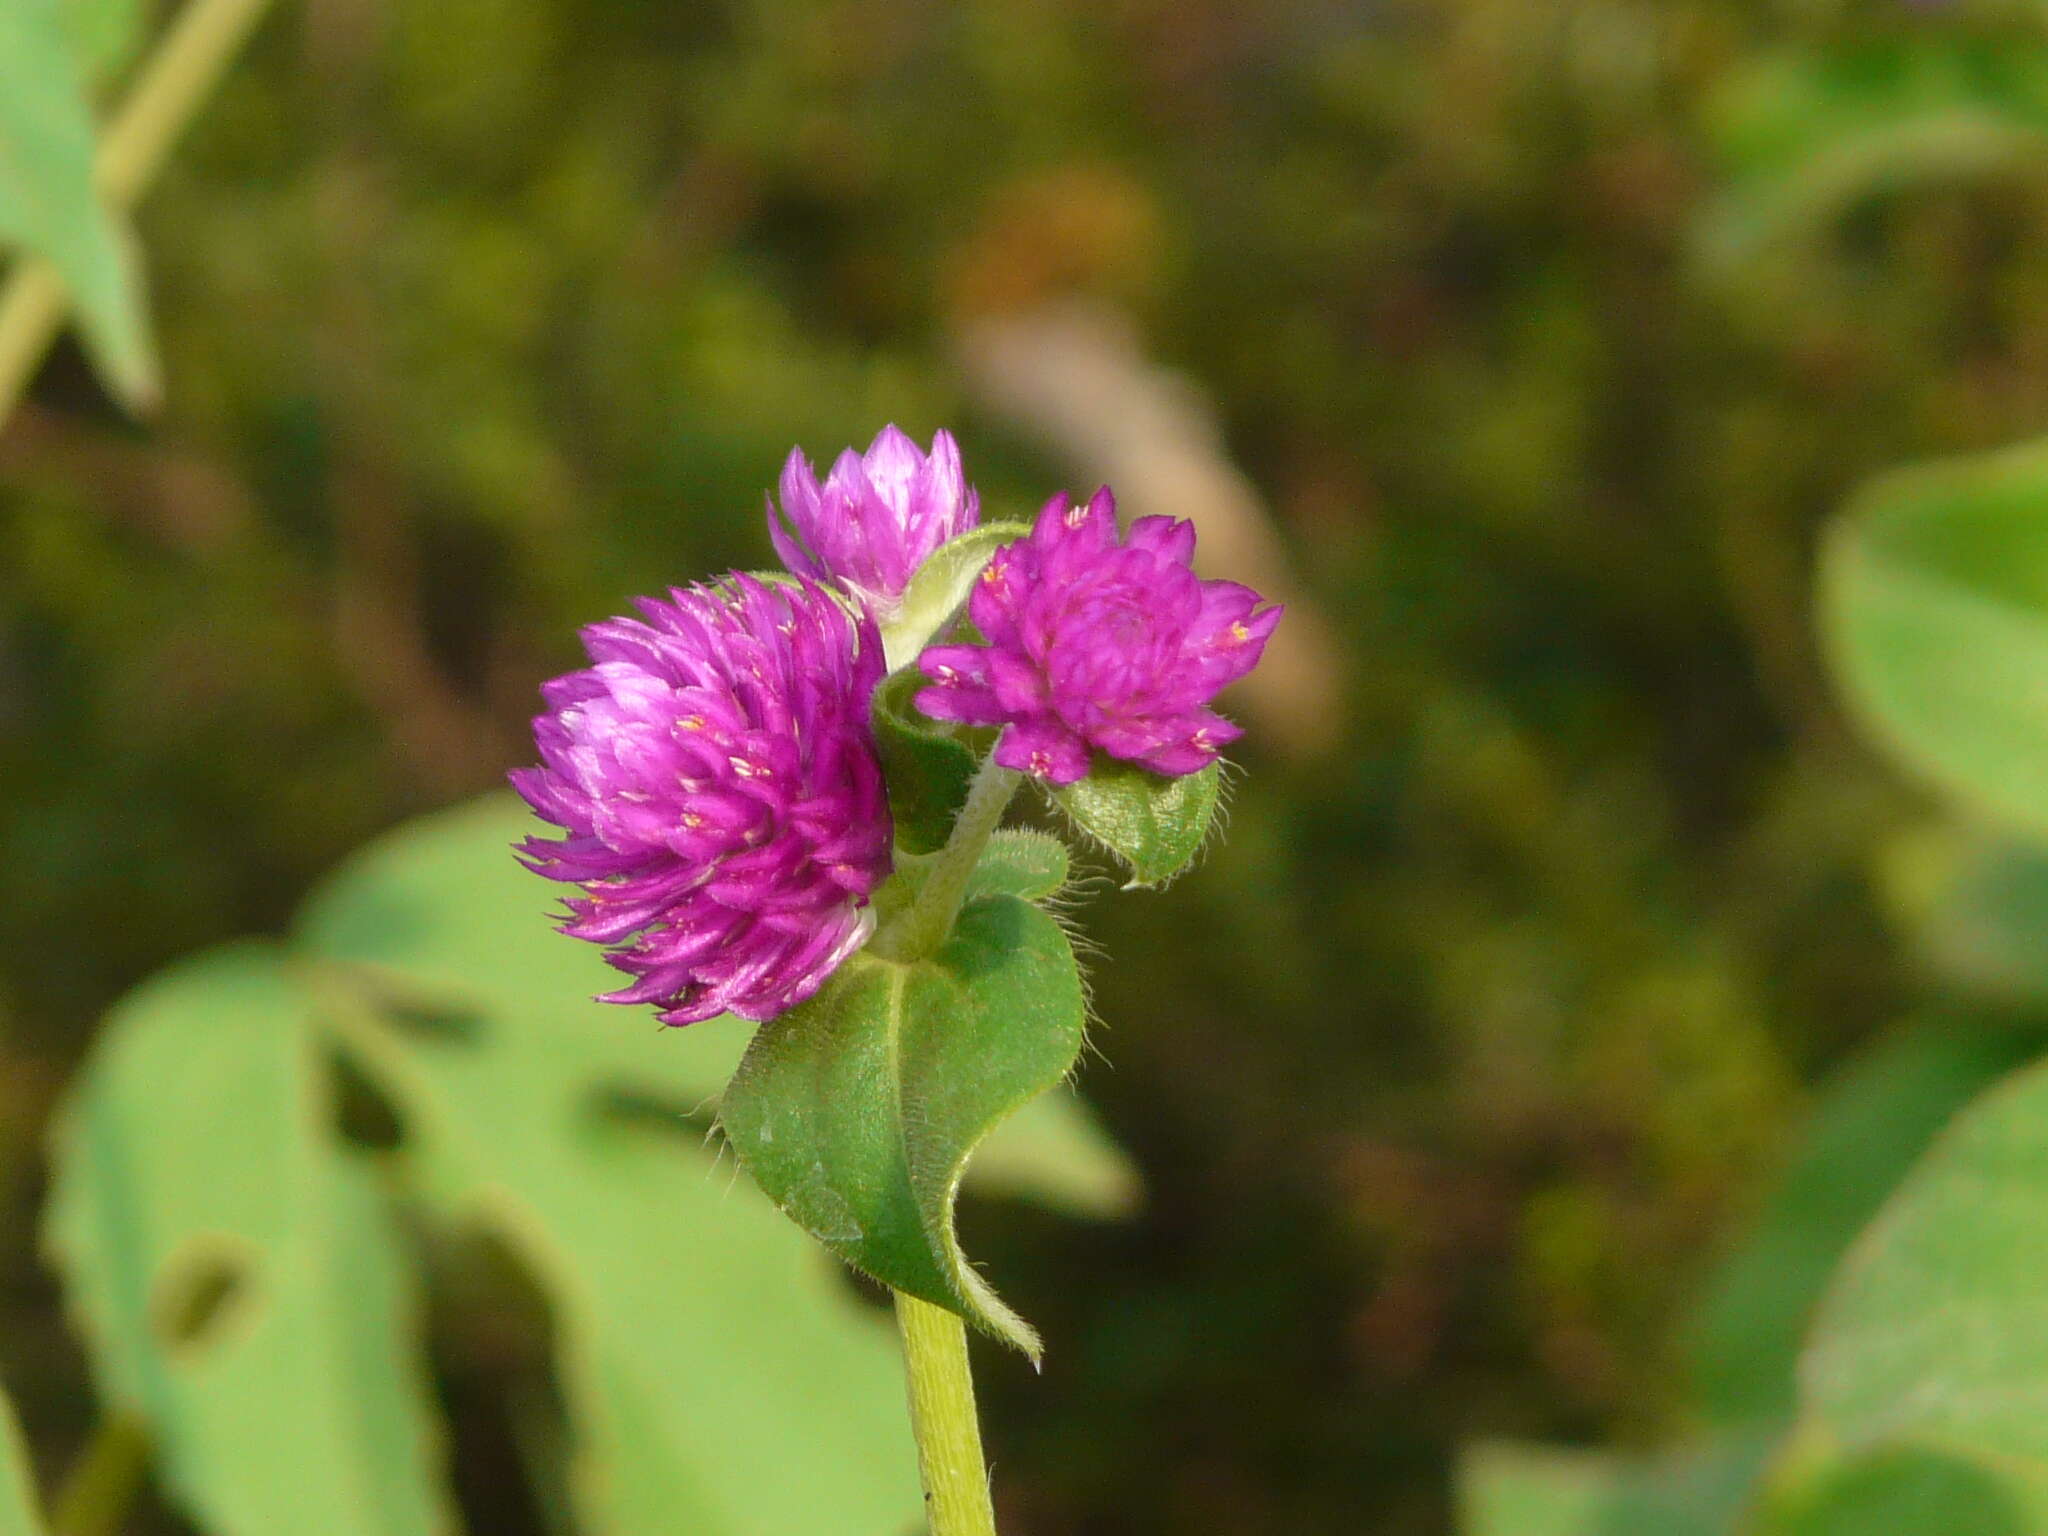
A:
[876,517]
[716,775]
[1098,644]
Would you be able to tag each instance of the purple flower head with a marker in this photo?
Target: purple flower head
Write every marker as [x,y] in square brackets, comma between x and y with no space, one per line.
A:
[876,517]
[717,778]
[1094,643]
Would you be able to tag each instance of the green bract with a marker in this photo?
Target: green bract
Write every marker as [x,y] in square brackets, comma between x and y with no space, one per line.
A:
[927,768]
[939,589]
[1153,825]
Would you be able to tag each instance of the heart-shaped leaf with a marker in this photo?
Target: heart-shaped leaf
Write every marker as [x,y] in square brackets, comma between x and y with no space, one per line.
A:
[939,588]
[1152,823]
[858,1111]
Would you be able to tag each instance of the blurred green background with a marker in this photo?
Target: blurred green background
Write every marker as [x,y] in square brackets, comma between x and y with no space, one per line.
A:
[1521,346]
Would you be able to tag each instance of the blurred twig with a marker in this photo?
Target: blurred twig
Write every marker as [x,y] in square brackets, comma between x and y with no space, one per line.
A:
[178,76]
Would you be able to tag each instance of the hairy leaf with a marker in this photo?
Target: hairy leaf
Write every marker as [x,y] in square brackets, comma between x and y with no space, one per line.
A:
[858,1111]
[1153,824]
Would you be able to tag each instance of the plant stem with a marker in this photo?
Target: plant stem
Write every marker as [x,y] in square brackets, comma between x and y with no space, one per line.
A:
[923,928]
[943,1418]
[101,1485]
[178,76]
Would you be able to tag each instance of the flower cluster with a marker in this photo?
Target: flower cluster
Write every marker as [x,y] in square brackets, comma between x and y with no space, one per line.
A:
[1098,644]
[714,768]
[716,775]
[876,517]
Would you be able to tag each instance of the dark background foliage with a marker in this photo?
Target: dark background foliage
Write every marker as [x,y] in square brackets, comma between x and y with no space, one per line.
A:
[1553,878]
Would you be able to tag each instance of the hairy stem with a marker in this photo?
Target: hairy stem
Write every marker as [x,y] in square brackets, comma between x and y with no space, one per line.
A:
[179,75]
[923,928]
[943,1418]
[102,1483]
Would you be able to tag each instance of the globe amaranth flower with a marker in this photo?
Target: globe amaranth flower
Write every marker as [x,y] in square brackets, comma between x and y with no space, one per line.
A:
[875,518]
[1096,643]
[716,776]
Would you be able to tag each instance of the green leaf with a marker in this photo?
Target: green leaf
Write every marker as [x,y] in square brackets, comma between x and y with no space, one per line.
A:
[1903,1490]
[695,1326]
[1516,1490]
[1870,1124]
[927,768]
[104,33]
[857,1111]
[939,588]
[1020,862]
[18,1513]
[1934,605]
[1803,135]
[49,204]
[1933,1335]
[234,1270]
[1153,824]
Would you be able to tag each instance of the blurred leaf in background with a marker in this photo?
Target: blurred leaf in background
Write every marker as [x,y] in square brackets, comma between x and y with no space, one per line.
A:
[49,203]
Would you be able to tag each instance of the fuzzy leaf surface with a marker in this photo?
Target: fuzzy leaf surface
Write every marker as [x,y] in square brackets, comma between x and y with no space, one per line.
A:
[1153,824]
[858,1111]
[234,1269]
